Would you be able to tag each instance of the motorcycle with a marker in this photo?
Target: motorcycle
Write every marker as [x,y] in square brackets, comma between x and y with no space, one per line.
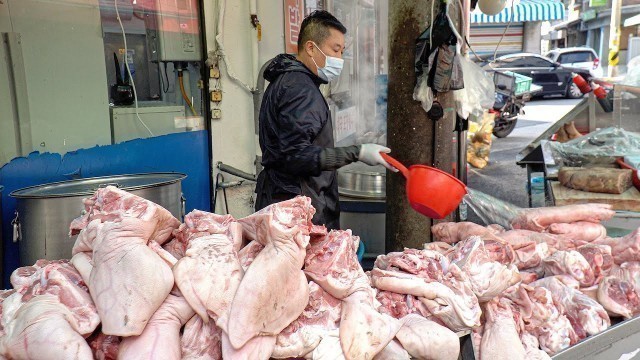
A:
[508,106]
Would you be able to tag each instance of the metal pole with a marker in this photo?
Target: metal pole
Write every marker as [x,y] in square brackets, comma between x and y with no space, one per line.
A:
[614,37]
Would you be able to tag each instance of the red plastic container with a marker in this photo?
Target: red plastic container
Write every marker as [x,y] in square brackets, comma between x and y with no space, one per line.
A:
[431,192]
[583,85]
[634,177]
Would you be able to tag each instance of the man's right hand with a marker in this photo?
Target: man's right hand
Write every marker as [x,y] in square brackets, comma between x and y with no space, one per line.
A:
[370,155]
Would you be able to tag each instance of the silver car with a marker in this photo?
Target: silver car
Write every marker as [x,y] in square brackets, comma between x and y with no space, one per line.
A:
[578,57]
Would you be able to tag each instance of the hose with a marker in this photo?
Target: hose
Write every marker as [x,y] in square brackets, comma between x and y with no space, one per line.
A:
[184,94]
[224,193]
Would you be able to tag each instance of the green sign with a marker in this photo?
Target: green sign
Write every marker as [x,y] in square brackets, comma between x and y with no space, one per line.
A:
[589,14]
[597,3]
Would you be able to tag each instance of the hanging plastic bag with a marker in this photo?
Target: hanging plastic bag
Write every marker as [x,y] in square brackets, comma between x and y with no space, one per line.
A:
[478,94]
[423,93]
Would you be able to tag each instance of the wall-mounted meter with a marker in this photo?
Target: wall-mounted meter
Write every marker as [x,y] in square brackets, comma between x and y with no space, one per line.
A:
[173,31]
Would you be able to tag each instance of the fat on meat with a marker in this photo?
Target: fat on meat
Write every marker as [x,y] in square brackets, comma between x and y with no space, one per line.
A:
[600,259]
[629,271]
[426,264]
[532,348]
[393,351]
[624,249]
[258,308]
[329,348]
[258,348]
[111,204]
[129,281]
[570,263]
[400,305]
[451,232]
[500,339]
[247,254]
[161,337]
[43,329]
[619,297]
[425,339]
[302,336]
[209,275]
[583,230]
[332,263]
[539,219]
[554,242]
[438,246]
[199,223]
[200,340]
[487,278]
[61,279]
[586,315]
[364,332]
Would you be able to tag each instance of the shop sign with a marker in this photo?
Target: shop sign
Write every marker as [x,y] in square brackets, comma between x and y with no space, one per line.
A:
[597,3]
[589,15]
[293,15]
[345,123]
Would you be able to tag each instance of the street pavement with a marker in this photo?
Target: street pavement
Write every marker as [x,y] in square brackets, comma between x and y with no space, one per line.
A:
[502,178]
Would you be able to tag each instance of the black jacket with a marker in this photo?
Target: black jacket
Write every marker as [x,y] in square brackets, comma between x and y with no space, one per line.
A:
[295,128]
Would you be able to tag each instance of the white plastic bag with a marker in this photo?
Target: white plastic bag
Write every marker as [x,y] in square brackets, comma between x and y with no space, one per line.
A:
[478,93]
[423,93]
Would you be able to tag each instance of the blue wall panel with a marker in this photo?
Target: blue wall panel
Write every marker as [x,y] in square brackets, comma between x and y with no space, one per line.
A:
[182,152]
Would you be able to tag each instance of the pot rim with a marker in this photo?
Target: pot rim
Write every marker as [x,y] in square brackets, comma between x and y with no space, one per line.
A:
[19,194]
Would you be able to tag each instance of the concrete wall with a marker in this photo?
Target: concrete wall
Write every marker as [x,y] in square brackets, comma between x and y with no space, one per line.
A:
[532,37]
[233,136]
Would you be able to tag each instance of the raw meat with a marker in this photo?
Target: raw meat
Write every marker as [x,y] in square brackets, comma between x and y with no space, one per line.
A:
[400,305]
[266,307]
[426,264]
[451,233]
[500,339]
[487,278]
[569,263]
[209,275]
[586,315]
[619,297]
[629,271]
[333,264]
[329,348]
[539,219]
[424,339]
[600,259]
[393,351]
[201,341]
[104,347]
[364,332]
[596,180]
[61,279]
[111,204]
[438,246]
[554,242]
[532,348]
[583,230]
[248,253]
[623,249]
[161,337]
[322,314]
[528,253]
[258,348]
[129,281]
[43,328]
[201,223]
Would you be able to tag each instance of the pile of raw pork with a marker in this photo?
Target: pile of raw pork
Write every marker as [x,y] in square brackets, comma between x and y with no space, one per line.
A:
[140,285]
[530,292]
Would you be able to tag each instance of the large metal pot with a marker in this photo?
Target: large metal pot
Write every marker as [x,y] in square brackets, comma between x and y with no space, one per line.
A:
[360,181]
[44,212]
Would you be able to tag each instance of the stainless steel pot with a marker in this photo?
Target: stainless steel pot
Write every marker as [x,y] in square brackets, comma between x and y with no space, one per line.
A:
[360,181]
[44,212]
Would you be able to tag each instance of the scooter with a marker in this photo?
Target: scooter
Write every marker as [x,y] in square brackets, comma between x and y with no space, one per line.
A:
[507,107]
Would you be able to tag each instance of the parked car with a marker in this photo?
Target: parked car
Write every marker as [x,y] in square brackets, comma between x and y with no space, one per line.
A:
[578,57]
[554,78]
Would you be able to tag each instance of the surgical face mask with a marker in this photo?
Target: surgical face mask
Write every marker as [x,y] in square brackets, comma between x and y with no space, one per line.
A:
[332,67]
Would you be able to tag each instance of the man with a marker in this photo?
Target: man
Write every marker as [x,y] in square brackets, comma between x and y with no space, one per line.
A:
[296,133]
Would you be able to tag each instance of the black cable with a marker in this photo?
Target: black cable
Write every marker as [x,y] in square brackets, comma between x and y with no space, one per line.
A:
[220,178]
[166,76]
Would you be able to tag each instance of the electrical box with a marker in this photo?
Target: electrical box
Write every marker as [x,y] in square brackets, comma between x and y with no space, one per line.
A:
[162,119]
[173,31]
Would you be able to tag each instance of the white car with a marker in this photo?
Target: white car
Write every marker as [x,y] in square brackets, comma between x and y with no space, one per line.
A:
[578,57]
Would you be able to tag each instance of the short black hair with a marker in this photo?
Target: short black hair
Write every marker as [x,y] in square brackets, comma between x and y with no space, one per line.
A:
[315,27]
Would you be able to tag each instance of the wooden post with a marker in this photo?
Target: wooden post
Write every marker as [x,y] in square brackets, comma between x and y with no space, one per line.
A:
[410,134]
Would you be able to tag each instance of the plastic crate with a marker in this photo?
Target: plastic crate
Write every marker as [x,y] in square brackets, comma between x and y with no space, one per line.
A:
[522,83]
[506,79]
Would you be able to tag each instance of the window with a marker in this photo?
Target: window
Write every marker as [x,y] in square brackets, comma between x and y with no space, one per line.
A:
[515,62]
[538,62]
[576,57]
